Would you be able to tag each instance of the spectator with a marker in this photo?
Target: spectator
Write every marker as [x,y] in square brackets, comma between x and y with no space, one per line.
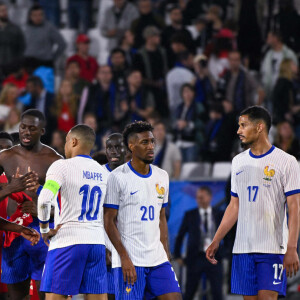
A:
[283,95]
[200,224]
[52,11]
[12,42]
[220,133]
[204,84]
[64,108]
[80,14]
[214,21]
[119,69]
[272,60]
[176,77]
[176,28]
[91,120]
[218,51]
[58,141]
[285,139]
[100,99]
[118,19]
[141,101]
[188,127]
[8,100]
[126,44]
[237,86]
[13,121]
[88,64]
[72,74]
[178,46]
[147,18]
[199,33]
[43,40]
[167,155]
[152,61]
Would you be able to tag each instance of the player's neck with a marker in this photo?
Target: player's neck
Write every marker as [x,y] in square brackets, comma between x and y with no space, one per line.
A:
[77,152]
[260,147]
[36,148]
[140,166]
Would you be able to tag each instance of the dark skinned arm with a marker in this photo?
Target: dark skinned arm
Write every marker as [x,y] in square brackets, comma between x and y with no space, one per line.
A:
[163,226]
[128,269]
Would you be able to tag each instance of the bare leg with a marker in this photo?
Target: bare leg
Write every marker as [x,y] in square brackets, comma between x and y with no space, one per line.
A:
[52,296]
[19,291]
[96,296]
[267,295]
[170,296]
[41,294]
[251,297]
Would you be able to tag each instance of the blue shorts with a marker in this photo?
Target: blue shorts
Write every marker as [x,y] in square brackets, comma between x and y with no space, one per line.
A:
[110,281]
[253,272]
[76,269]
[21,260]
[151,282]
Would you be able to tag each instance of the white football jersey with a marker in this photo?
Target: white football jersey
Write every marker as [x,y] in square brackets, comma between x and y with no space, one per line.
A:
[139,200]
[79,205]
[262,184]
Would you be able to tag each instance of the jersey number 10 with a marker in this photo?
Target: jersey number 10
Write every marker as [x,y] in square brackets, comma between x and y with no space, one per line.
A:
[89,203]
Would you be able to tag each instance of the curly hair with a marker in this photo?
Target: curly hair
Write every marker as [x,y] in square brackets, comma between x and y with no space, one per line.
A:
[133,128]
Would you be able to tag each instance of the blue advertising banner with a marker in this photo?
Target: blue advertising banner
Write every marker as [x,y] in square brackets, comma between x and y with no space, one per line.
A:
[183,198]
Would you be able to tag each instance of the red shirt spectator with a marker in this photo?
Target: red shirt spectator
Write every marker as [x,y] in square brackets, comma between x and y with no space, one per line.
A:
[88,64]
[18,79]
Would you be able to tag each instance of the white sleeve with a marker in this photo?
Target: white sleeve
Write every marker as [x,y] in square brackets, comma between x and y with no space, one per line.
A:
[54,180]
[166,195]
[291,178]
[233,190]
[112,198]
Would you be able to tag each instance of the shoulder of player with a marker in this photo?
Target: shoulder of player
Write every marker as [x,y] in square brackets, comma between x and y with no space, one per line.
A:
[159,170]
[4,154]
[51,153]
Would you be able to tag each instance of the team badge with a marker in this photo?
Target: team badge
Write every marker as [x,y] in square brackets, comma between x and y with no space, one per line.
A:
[160,191]
[269,173]
[128,289]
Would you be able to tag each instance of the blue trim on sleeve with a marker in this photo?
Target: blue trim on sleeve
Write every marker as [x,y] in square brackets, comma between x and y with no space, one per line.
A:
[108,168]
[234,194]
[265,154]
[139,174]
[165,205]
[44,222]
[38,191]
[86,156]
[292,193]
[111,206]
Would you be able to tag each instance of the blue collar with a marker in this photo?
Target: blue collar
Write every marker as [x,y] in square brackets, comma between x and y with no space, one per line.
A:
[108,168]
[86,156]
[262,155]
[138,174]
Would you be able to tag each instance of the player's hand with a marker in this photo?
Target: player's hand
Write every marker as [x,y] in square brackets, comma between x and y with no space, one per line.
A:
[29,207]
[211,252]
[291,261]
[23,182]
[47,236]
[108,257]
[128,269]
[30,234]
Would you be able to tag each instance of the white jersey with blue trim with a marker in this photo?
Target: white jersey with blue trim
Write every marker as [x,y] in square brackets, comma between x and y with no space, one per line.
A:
[79,205]
[262,184]
[139,200]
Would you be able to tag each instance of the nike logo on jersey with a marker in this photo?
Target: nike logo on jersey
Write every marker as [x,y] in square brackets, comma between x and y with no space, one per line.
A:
[274,282]
[239,172]
[132,193]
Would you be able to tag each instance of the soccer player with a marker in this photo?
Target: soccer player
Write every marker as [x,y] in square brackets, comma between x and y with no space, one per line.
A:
[76,258]
[20,261]
[135,221]
[264,179]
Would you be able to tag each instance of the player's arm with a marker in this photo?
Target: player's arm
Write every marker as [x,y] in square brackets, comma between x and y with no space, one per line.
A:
[163,226]
[291,259]
[110,221]
[229,219]
[28,233]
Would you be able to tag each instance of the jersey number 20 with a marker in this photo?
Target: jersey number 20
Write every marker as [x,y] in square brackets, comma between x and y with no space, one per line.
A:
[89,203]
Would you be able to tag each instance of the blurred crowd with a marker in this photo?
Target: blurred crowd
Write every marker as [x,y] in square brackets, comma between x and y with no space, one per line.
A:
[186,66]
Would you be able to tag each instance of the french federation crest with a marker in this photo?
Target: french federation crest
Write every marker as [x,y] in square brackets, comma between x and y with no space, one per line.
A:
[268,173]
[160,191]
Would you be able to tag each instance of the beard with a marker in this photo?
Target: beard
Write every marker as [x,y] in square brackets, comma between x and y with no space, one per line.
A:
[148,161]
[245,146]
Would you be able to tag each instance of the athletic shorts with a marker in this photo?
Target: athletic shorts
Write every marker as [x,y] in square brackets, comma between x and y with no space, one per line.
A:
[110,281]
[253,272]
[151,282]
[21,260]
[76,269]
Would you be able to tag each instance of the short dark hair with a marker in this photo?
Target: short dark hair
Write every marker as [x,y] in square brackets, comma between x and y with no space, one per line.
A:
[16,137]
[186,85]
[36,80]
[276,33]
[35,113]
[256,113]
[5,135]
[206,189]
[86,133]
[114,135]
[117,50]
[133,128]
